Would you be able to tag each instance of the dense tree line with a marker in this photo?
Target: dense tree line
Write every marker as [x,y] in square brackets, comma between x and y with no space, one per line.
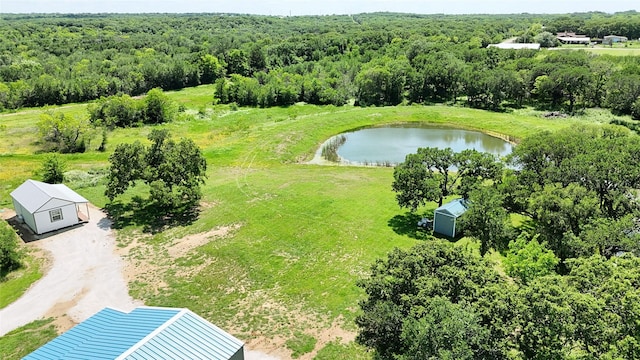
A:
[440,301]
[64,133]
[376,59]
[125,111]
[570,274]
[598,25]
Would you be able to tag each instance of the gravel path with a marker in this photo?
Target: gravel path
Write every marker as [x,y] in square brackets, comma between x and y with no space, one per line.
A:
[85,276]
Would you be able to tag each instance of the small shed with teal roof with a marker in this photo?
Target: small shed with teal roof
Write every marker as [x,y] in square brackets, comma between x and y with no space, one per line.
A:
[446,216]
[144,333]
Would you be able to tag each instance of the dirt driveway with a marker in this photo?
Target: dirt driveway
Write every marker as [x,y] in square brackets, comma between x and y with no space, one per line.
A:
[85,276]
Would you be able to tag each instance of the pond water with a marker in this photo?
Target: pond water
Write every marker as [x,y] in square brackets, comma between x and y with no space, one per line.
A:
[390,144]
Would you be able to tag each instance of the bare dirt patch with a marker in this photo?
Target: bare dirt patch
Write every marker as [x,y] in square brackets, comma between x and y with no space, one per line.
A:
[261,310]
[183,246]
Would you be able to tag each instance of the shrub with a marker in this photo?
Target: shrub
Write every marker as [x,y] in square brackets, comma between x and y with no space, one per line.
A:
[9,253]
[52,170]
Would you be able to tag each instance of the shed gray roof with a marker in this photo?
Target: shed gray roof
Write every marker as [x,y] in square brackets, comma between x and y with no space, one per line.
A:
[454,208]
[144,333]
[33,194]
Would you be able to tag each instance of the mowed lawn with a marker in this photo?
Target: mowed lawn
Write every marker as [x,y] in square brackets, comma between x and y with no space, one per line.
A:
[301,235]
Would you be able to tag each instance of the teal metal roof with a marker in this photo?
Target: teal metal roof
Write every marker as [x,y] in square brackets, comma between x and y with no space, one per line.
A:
[144,333]
[454,208]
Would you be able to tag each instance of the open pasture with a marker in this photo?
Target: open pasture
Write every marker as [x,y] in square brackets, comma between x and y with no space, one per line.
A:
[279,245]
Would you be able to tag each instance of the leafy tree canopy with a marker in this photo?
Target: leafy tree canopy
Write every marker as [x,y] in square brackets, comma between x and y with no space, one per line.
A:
[173,170]
[432,174]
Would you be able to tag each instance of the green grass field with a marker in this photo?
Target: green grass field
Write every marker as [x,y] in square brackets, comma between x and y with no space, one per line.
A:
[631,48]
[17,282]
[303,234]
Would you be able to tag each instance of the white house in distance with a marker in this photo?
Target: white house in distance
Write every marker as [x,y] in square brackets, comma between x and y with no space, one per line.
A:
[573,38]
[48,207]
[615,39]
[516,46]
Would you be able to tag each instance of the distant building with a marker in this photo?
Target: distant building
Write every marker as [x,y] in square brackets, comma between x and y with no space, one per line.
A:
[516,46]
[568,34]
[573,38]
[614,39]
[144,333]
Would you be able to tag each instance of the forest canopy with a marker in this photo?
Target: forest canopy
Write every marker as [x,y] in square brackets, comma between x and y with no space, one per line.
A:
[370,59]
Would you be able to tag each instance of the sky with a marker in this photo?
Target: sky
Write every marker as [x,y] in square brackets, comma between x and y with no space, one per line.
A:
[316,7]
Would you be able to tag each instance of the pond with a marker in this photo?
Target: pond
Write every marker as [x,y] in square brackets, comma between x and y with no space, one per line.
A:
[390,144]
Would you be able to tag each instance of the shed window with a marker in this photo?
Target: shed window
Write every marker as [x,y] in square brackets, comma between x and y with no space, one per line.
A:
[55,215]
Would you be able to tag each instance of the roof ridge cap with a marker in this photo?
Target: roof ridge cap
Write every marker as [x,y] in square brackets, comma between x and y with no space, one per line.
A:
[155,332]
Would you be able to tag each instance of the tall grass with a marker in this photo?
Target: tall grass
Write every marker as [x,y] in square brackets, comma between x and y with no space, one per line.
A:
[330,148]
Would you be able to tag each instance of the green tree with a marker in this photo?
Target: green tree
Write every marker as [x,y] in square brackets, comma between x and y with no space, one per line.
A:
[424,176]
[64,133]
[622,91]
[635,110]
[173,170]
[598,158]
[527,259]
[52,169]
[117,111]
[373,84]
[439,77]
[561,213]
[210,68]
[431,174]
[547,319]
[10,254]
[159,108]
[444,330]
[237,62]
[564,87]
[432,290]
[486,219]
[607,237]
[546,39]
[610,328]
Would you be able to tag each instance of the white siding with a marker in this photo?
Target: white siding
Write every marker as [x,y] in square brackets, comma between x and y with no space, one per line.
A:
[27,217]
[53,203]
[43,220]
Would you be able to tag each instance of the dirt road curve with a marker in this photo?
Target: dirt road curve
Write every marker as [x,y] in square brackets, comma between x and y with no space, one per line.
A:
[85,276]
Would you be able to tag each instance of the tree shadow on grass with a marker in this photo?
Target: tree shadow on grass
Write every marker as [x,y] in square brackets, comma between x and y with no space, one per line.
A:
[407,225]
[152,218]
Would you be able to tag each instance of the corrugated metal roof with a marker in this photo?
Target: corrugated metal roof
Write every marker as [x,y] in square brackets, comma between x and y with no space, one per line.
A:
[188,337]
[105,335]
[33,194]
[454,208]
[144,333]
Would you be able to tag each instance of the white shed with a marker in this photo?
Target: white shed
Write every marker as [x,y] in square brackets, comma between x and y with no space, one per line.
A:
[48,207]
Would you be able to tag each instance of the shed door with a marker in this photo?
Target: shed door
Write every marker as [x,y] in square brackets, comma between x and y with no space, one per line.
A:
[444,225]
